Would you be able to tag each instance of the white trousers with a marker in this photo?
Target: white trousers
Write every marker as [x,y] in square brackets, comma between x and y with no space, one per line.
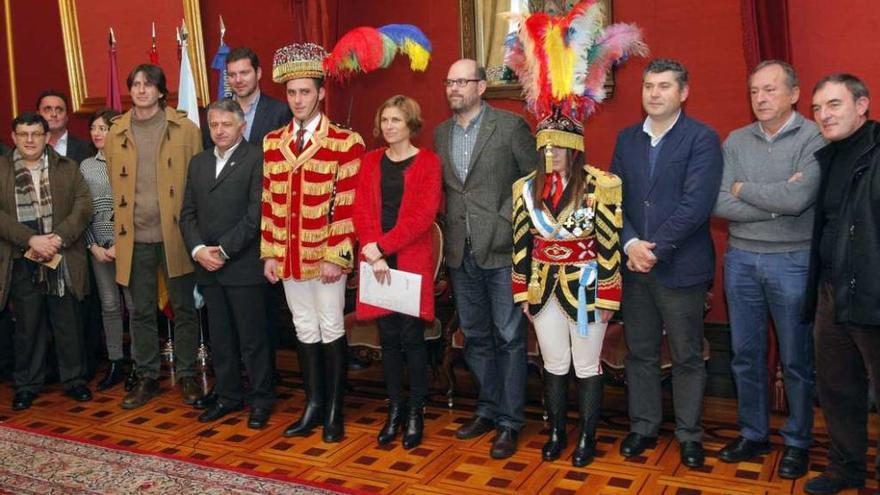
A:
[317,309]
[561,344]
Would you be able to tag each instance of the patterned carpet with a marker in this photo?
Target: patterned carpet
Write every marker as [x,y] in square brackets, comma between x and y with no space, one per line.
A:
[34,463]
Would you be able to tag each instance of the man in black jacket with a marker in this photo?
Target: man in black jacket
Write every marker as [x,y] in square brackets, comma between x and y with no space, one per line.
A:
[52,105]
[844,288]
[220,222]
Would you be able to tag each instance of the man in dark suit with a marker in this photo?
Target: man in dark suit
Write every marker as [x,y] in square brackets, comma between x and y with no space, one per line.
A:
[53,105]
[220,222]
[671,168]
[484,151]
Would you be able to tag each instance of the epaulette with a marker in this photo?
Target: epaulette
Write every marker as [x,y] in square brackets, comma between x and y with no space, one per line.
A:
[521,183]
[609,188]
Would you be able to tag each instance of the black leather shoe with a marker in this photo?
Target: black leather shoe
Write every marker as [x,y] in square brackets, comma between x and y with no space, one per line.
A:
[258,417]
[504,444]
[474,427]
[23,400]
[79,393]
[219,410]
[634,444]
[828,484]
[794,464]
[742,449]
[115,374]
[692,454]
[206,401]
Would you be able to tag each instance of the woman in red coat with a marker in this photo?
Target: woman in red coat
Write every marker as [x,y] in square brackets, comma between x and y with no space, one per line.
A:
[396,200]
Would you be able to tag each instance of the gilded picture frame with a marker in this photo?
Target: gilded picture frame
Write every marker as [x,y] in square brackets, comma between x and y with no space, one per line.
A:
[74,19]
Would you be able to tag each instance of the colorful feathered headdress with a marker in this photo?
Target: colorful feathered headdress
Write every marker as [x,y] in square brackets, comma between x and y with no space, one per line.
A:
[363,49]
[562,63]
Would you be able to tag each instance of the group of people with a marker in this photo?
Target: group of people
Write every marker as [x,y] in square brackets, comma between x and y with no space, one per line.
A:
[533,234]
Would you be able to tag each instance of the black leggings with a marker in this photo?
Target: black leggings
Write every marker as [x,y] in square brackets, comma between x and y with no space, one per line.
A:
[401,334]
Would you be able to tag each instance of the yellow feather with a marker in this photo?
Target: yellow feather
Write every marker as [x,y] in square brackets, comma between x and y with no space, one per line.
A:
[418,56]
[560,60]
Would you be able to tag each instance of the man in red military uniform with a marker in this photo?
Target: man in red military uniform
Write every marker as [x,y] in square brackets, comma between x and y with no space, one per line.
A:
[309,176]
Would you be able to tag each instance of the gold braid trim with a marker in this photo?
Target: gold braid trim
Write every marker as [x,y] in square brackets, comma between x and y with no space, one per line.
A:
[274,168]
[315,211]
[275,187]
[342,227]
[518,256]
[279,210]
[347,170]
[609,188]
[611,282]
[342,145]
[340,254]
[610,263]
[317,189]
[312,253]
[314,235]
[321,166]
[345,198]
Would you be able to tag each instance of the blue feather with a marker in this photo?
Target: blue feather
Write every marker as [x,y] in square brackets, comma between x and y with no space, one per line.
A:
[400,32]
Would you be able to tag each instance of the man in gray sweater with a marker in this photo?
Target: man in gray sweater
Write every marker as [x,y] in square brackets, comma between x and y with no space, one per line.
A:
[768,192]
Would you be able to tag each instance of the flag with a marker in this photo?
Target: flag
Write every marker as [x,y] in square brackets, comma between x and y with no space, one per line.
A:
[219,64]
[186,93]
[114,98]
[162,299]
[154,51]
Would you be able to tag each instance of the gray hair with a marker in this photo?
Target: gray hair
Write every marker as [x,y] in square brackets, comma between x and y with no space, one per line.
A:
[855,85]
[659,65]
[791,77]
[226,105]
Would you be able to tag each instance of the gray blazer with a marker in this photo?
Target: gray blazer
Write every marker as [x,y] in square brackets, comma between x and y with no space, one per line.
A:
[504,152]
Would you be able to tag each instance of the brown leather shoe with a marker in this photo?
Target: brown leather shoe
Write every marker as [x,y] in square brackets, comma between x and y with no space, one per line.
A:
[143,391]
[190,390]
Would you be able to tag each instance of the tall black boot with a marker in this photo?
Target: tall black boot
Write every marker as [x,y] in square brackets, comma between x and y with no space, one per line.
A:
[415,426]
[313,383]
[590,405]
[335,354]
[392,423]
[555,400]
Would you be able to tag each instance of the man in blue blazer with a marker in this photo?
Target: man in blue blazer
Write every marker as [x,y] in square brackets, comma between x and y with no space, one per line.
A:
[671,168]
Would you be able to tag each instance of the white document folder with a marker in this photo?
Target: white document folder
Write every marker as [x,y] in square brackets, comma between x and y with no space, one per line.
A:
[403,295]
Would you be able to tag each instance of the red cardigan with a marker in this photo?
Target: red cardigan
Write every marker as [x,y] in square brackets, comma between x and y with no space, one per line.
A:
[410,238]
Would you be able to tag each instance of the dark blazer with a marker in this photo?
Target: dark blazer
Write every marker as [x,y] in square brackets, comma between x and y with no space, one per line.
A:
[71,214]
[225,211]
[504,152]
[78,150]
[672,207]
[270,115]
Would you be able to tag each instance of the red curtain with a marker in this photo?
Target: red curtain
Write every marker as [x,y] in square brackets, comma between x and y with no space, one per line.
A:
[316,21]
[765,31]
[766,36]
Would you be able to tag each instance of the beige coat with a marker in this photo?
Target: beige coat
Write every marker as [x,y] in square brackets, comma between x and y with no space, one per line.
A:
[71,213]
[182,141]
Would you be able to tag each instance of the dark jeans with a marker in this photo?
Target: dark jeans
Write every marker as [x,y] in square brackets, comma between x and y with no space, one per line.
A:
[757,284]
[31,306]
[648,309]
[143,286]
[236,321]
[847,362]
[403,334]
[494,340]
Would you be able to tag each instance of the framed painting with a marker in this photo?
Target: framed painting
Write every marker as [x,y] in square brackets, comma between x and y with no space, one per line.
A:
[86,24]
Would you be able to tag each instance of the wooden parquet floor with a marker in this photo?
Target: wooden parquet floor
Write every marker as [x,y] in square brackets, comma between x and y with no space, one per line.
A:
[441,465]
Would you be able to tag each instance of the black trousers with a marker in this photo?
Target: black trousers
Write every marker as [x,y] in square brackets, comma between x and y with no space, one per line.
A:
[847,363]
[236,319]
[648,308]
[30,334]
[402,334]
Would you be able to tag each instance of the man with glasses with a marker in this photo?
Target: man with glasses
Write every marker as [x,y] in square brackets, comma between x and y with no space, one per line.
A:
[47,206]
[484,151]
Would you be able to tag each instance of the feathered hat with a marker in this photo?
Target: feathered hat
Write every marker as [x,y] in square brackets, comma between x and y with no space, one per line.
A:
[363,49]
[562,62]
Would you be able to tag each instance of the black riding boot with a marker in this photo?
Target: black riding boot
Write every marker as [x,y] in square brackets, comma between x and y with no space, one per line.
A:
[392,424]
[590,405]
[335,354]
[555,388]
[313,383]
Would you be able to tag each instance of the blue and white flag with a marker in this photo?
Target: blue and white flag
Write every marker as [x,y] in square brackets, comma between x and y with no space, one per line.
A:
[187,100]
[219,64]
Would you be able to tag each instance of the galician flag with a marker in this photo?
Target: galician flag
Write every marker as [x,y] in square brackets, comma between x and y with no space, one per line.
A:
[186,93]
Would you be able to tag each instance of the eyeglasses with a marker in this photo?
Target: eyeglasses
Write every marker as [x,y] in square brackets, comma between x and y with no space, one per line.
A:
[458,83]
[27,136]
